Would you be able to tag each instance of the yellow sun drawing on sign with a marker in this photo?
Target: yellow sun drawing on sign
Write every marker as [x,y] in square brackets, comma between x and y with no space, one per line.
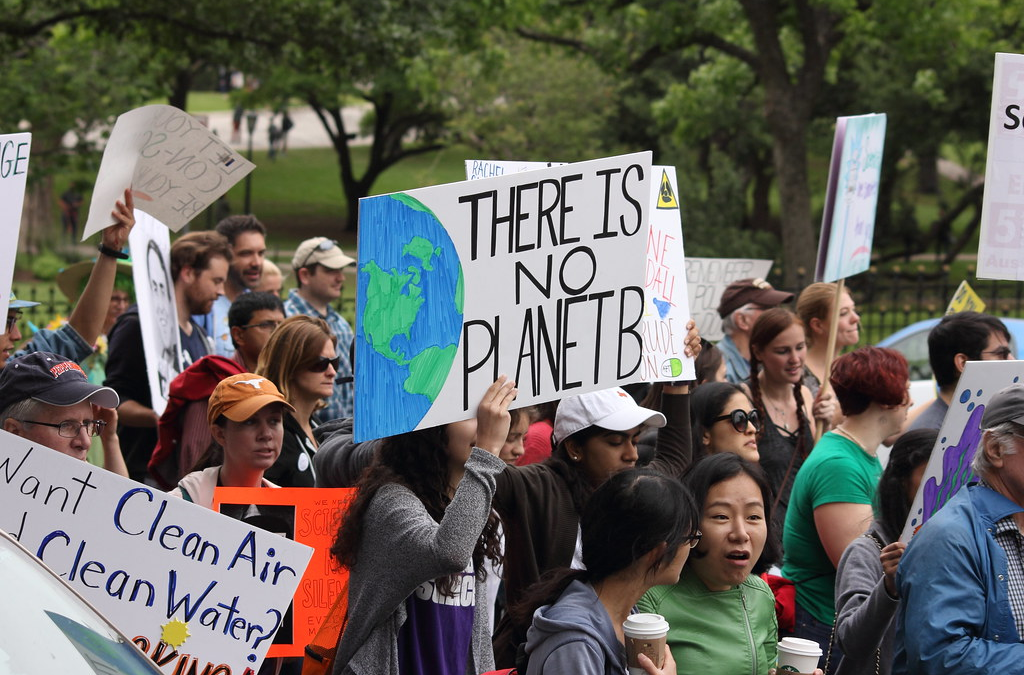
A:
[175,633]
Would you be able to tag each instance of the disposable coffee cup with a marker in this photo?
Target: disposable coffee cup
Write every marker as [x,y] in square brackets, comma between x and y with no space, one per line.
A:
[645,634]
[797,655]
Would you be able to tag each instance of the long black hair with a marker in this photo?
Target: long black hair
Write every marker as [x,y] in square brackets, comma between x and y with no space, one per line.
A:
[632,513]
[892,500]
[417,460]
[707,403]
[722,466]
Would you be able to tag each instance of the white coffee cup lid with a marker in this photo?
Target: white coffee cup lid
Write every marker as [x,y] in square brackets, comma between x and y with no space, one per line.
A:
[796,645]
[645,625]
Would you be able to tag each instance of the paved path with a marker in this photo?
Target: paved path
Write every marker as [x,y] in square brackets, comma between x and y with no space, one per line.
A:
[308,131]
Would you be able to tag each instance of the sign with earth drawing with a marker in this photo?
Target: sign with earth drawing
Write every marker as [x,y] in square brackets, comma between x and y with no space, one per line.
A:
[949,466]
[537,275]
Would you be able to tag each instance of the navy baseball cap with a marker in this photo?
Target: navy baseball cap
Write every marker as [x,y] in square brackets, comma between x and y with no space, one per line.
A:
[52,379]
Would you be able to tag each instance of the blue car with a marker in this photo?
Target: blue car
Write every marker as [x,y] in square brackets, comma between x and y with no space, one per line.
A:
[912,342]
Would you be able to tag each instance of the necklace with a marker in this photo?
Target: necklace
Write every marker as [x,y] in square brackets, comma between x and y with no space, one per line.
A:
[780,411]
[843,432]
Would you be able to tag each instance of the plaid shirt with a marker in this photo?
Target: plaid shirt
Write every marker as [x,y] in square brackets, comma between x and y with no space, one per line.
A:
[1012,541]
[340,404]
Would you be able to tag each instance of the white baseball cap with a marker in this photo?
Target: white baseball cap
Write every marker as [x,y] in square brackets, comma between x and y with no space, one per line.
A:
[611,409]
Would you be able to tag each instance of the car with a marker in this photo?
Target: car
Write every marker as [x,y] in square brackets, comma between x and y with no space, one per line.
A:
[912,342]
[47,627]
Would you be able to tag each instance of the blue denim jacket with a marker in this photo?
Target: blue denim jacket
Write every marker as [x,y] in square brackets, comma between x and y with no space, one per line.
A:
[955,615]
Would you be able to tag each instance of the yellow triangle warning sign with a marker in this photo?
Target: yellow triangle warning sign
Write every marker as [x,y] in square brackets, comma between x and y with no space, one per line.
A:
[666,196]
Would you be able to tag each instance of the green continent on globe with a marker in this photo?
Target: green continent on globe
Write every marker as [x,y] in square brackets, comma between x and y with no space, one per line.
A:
[428,371]
[423,250]
[392,305]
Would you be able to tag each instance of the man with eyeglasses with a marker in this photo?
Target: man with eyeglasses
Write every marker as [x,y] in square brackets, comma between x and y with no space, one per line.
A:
[251,319]
[955,340]
[742,302]
[47,399]
[319,266]
[76,338]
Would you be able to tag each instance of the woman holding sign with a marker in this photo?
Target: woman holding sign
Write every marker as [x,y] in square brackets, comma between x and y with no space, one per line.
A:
[815,310]
[414,540]
[830,505]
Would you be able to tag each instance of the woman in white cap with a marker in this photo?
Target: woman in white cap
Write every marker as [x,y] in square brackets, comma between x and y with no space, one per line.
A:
[246,416]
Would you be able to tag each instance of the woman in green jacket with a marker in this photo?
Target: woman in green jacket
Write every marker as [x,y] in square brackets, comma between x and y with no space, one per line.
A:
[721,616]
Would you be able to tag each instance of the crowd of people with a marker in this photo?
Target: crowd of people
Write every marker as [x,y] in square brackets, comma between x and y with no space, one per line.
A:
[744,506]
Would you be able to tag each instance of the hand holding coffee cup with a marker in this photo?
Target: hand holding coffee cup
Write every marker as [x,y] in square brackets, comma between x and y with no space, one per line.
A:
[645,634]
[797,655]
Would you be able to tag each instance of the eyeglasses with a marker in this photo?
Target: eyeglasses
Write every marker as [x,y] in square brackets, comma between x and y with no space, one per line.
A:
[320,365]
[71,428]
[12,320]
[998,354]
[265,325]
[739,420]
[694,539]
[325,245]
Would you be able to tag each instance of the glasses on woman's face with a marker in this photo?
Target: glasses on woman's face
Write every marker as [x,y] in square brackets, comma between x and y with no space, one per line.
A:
[320,365]
[71,428]
[12,320]
[740,418]
[694,539]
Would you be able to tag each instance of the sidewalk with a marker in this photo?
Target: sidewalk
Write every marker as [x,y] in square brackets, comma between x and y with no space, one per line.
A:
[308,131]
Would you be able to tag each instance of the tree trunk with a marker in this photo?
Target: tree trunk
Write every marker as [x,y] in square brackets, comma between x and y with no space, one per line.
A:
[928,170]
[37,217]
[798,242]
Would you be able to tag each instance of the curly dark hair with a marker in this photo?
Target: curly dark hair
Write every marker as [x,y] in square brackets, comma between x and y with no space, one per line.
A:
[418,461]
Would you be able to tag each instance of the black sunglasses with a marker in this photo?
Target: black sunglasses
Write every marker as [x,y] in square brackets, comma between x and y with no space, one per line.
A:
[321,363]
[739,420]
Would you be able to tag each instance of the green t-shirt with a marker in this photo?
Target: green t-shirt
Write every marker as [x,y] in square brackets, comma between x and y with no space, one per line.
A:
[836,471]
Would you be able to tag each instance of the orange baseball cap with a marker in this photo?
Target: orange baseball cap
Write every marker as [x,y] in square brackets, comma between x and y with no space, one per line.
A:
[241,396]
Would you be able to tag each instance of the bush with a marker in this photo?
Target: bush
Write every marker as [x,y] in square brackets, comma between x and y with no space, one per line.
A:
[46,265]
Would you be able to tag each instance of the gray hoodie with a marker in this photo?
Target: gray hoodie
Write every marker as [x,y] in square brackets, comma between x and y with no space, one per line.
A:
[574,635]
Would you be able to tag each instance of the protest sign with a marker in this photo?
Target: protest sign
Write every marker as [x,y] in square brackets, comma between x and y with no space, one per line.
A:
[666,302]
[175,166]
[310,517]
[1001,243]
[197,591]
[707,279]
[489,168]
[537,275]
[848,221]
[965,300]
[949,467]
[150,244]
[14,154]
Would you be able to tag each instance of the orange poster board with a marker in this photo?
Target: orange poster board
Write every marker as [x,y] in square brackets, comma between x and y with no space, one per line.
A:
[307,515]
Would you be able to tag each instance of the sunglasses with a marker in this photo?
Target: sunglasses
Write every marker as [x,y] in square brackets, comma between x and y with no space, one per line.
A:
[325,245]
[320,365]
[739,420]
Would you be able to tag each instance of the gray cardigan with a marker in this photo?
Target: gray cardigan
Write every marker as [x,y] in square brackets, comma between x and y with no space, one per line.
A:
[402,547]
[865,613]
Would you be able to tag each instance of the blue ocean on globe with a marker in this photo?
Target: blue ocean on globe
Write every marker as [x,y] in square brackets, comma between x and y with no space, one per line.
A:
[409,314]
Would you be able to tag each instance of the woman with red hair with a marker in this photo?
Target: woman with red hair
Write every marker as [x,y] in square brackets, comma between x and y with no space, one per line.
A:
[830,504]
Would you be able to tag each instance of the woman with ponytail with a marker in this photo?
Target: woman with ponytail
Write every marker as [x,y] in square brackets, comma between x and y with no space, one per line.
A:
[777,352]
[637,530]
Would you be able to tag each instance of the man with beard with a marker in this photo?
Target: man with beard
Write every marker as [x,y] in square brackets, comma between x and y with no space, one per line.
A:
[247,237]
[199,268]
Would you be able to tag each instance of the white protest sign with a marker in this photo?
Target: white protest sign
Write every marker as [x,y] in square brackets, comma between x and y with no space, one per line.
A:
[848,221]
[536,275]
[1001,243]
[707,279]
[949,467]
[175,166]
[150,244]
[197,591]
[489,168]
[666,302]
[14,154]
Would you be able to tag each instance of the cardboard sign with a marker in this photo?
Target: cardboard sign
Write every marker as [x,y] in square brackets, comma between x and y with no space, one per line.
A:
[537,275]
[489,168]
[848,222]
[175,166]
[310,516]
[949,467]
[1001,243]
[197,591]
[965,300]
[150,245]
[707,279]
[14,155]
[666,302]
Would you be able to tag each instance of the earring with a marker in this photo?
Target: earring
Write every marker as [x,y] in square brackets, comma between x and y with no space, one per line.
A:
[574,458]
